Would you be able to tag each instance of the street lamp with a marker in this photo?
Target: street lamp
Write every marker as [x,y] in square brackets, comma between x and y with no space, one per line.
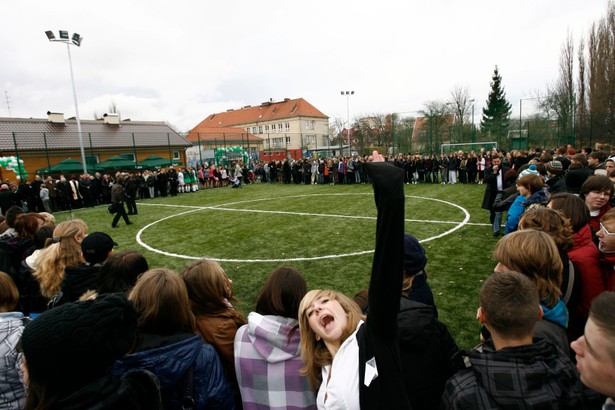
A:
[348,94]
[76,40]
[473,135]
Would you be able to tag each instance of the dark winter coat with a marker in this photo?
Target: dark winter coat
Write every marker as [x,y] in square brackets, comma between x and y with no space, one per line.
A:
[556,184]
[170,358]
[78,280]
[491,186]
[536,376]
[426,349]
[135,390]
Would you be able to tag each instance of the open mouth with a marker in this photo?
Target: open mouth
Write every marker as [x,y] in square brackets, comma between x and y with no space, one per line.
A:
[326,320]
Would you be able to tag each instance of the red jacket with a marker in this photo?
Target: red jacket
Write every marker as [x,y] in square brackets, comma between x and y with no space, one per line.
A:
[586,257]
[608,266]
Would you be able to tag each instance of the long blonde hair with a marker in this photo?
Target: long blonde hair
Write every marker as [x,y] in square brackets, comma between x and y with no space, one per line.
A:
[314,353]
[64,251]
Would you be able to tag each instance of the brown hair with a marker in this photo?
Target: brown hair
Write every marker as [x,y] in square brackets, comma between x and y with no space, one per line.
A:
[573,207]
[598,183]
[9,295]
[314,353]
[282,293]
[533,183]
[26,225]
[534,254]
[551,221]
[601,312]
[161,301]
[510,303]
[120,272]
[209,289]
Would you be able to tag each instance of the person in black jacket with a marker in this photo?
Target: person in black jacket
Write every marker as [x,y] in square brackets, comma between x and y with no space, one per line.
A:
[513,369]
[131,187]
[425,344]
[117,198]
[96,248]
[494,181]
[7,198]
[357,363]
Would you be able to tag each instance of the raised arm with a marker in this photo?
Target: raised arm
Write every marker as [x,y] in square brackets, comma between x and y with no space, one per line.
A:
[387,266]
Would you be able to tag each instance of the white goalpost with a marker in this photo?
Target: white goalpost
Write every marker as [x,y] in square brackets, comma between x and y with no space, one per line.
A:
[469,146]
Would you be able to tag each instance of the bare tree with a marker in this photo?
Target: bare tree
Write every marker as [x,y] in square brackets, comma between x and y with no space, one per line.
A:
[436,113]
[461,104]
[336,128]
[581,126]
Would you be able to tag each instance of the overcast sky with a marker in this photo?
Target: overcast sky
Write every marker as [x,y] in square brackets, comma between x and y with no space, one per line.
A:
[179,61]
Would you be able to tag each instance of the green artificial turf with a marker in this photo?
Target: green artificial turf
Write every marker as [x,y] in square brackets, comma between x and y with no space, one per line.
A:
[270,224]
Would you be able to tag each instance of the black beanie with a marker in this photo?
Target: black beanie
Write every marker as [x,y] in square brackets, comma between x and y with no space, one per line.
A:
[75,344]
[414,255]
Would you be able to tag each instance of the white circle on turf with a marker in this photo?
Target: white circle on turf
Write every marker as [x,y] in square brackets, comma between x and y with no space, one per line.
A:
[458,225]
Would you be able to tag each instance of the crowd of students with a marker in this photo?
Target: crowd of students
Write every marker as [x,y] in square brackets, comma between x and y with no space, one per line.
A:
[83,327]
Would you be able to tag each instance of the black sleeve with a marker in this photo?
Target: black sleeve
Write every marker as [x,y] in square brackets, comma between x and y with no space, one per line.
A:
[387,266]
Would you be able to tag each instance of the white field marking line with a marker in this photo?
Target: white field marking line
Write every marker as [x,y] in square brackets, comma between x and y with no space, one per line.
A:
[217,207]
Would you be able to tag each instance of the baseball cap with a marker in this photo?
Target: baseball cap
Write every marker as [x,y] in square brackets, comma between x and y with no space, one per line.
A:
[96,247]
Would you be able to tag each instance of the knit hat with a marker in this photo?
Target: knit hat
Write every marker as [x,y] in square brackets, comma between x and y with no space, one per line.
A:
[75,344]
[414,255]
[529,170]
[96,247]
[555,167]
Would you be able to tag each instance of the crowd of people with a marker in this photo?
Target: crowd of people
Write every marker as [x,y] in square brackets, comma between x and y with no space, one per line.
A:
[84,327]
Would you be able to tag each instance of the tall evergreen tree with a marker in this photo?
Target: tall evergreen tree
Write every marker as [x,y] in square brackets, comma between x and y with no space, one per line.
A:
[496,115]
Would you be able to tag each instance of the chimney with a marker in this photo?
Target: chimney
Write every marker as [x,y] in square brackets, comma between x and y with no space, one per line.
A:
[111,119]
[55,117]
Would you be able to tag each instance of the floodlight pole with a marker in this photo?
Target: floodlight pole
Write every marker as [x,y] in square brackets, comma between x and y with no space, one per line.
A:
[72,80]
[348,94]
[472,134]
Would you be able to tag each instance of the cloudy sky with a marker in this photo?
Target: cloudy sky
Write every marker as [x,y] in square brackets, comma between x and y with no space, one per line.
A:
[179,61]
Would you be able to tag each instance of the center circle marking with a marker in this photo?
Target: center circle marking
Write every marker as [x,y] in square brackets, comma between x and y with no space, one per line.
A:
[194,208]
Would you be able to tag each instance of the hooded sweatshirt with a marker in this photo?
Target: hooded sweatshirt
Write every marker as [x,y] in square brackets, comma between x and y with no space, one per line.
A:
[267,362]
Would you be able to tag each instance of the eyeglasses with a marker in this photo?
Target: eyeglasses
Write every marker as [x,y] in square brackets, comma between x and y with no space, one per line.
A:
[605,231]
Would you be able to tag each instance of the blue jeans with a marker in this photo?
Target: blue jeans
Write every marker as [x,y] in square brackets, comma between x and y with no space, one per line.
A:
[497,221]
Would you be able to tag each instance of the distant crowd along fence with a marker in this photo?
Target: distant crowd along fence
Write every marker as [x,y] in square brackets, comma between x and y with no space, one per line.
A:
[43,151]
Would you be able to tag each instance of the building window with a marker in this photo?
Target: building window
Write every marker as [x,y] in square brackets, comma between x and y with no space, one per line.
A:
[176,155]
[266,129]
[287,126]
[253,130]
[130,157]
[310,139]
[260,129]
[309,125]
[325,140]
[287,140]
[280,127]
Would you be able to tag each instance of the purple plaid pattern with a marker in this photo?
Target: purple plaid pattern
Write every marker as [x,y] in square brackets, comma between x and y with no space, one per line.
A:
[268,363]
